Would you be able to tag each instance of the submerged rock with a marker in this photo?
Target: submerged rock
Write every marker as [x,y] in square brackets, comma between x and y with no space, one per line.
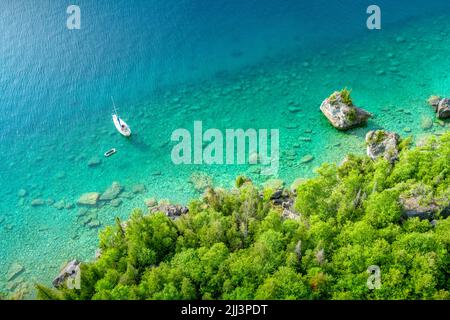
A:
[37,202]
[94,162]
[60,205]
[116,202]
[152,202]
[22,193]
[112,192]
[60,175]
[94,224]
[69,206]
[307,158]
[14,271]
[82,212]
[382,143]
[89,199]
[340,111]
[426,123]
[127,195]
[70,270]
[138,188]
[201,181]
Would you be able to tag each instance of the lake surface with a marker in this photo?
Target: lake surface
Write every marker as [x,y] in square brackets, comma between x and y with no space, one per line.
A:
[230,64]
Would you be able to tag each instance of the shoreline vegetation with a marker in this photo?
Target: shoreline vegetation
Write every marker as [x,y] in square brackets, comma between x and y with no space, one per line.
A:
[313,240]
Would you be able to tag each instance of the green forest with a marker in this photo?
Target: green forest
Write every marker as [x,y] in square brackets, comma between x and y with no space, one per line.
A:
[243,244]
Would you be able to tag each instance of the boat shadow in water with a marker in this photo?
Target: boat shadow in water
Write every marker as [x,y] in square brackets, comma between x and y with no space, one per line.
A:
[138,143]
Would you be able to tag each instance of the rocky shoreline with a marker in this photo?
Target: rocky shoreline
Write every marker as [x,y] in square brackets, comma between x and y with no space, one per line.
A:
[343,115]
[338,109]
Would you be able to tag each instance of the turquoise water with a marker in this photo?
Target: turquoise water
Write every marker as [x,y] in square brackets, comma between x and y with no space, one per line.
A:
[250,64]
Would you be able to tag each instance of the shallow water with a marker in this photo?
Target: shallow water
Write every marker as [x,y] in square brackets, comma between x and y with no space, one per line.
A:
[262,65]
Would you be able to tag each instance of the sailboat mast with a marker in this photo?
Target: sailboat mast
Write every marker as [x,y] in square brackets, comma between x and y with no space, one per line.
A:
[114,105]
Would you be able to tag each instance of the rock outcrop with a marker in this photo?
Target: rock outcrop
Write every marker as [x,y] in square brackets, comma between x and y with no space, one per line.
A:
[70,270]
[170,210]
[419,201]
[441,106]
[384,144]
[89,199]
[340,111]
[285,199]
[443,109]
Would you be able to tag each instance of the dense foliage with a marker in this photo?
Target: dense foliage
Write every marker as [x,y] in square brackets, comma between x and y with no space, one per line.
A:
[237,244]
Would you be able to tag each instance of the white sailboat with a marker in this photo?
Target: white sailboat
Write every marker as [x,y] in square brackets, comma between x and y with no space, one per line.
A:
[120,125]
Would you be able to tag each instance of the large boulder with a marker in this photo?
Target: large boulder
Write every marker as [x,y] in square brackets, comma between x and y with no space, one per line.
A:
[340,111]
[89,199]
[441,106]
[443,109]
[170,210]
[70,270]
[384,144]
[112,192]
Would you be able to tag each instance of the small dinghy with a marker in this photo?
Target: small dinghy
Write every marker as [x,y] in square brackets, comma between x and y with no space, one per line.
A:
[120,125]
[110,152]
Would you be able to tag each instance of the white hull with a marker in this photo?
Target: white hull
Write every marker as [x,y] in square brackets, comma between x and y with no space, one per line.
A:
[122,127]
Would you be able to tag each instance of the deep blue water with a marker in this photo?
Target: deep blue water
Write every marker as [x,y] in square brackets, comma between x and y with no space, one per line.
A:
[133,49]
[161,60]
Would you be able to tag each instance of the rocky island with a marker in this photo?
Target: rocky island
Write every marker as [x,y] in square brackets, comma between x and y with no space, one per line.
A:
[342,114]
